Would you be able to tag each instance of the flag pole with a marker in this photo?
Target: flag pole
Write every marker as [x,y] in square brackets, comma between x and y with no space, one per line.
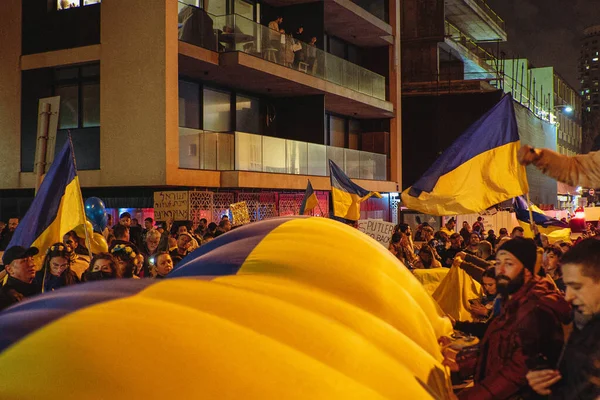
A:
[531,222]
[88,241]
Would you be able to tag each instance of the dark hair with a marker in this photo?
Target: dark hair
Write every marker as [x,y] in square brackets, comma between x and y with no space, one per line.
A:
[72,235]
[149,220]
[212,227]
[503,230]
[489,273]
[60,249]
[455,235]
[203,219]
[105,256]
[223,223]
[517,228]
[396,237]
[160,253]
[587,255]
[119,231]
[125,215]
[554,249]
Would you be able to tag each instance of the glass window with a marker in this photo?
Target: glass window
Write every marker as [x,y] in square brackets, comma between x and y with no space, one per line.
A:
[337,131]
[216,7]
[247,114]
[217,110]
[189,105]
[69,106]
[90,70]
[337,47]
[66,4]
[244,8]
[91,105]
[62,74]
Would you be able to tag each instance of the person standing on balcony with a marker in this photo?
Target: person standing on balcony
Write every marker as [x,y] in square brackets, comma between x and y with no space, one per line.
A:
[298,47]
[274,35]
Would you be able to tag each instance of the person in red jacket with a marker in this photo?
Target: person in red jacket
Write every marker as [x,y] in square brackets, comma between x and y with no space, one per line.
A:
[527,334]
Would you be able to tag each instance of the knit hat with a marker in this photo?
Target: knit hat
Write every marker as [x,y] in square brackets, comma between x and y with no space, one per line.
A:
[524,249]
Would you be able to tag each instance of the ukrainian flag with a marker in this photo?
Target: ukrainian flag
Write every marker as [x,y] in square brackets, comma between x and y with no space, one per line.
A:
[553,228]
[309,202]
[57,207]
[346,194]
[278,309]
[480,169]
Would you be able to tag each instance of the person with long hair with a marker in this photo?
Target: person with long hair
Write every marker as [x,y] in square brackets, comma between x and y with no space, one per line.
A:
[126,257]
[551,265]
[56,270]
[102,266]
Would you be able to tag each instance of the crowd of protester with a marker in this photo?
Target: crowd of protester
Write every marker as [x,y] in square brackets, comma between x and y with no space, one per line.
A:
[533,292]
[134,251]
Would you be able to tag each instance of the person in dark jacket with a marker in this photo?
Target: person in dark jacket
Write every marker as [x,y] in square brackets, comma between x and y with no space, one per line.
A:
[578,373]
[56,271]
[20,267]
[528,332]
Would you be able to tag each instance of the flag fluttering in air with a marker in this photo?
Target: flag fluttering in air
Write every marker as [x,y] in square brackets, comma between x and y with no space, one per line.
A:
[555,229]
[346,194]
[309,202]
[480,169]
[57,207]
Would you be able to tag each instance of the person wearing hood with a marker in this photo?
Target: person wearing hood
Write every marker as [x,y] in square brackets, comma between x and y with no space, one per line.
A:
[528,332]
[578,372]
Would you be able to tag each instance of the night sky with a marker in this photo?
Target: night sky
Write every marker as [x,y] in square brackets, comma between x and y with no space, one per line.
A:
[547,32]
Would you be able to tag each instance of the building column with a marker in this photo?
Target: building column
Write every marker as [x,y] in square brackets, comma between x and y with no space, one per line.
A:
[138,91]
[10,93]
[395,166]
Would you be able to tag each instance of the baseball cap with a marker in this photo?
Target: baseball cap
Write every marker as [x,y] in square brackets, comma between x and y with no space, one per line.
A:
[18,252]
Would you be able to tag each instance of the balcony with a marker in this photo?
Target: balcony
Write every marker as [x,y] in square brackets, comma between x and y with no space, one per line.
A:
[477,19]
[236,34]
[240,151]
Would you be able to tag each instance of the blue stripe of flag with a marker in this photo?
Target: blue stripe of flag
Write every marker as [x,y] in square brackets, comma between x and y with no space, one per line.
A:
[495,128]
[44,209]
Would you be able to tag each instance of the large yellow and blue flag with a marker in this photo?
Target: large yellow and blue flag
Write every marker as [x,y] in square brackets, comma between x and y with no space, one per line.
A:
[57,207]
[480,169]
[346,194]
[553,228]
[310,201]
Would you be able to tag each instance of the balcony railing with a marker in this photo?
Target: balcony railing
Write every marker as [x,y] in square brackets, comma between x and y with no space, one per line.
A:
[463,39]
[240,151]
[235,33]
[491,13]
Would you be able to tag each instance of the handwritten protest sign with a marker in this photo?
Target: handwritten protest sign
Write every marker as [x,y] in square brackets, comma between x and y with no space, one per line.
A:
[173,205]
[379,230]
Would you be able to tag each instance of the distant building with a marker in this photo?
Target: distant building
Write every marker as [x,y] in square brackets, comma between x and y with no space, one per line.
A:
[589,75]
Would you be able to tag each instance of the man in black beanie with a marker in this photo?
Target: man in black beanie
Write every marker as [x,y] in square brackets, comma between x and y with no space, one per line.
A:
[527,334]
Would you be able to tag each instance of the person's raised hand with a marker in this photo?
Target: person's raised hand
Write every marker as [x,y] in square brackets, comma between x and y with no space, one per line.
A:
[527,155]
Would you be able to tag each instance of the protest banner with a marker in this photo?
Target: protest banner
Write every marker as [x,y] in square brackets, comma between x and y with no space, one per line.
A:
[173,205]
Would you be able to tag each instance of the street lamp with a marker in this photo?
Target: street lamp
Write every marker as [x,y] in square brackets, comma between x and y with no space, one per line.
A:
[565,107]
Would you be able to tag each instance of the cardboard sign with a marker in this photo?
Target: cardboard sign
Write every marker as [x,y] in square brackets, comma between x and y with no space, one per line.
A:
[173,205]
[362,225]
[239,212]
[380,230]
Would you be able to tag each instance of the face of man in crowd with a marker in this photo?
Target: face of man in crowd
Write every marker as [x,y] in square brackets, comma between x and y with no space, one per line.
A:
[148,225]
[70,241]
[510,272]
[227,225]
[455,243]
[489,285]
[583,292]
[125,221]
[451,225]
[12,224]
[183,242]
[550,262]
[182,229]
[503,233]
[202,224]
[58,265]
[152,243]
[22,269]
[164,264]
[517,233]
[474,240]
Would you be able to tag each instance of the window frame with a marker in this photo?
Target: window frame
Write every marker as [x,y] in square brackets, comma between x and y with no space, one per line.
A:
[80,81]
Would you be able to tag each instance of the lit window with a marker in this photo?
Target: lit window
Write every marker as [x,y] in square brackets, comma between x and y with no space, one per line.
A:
[587,67]
[66,4]
[595,59]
